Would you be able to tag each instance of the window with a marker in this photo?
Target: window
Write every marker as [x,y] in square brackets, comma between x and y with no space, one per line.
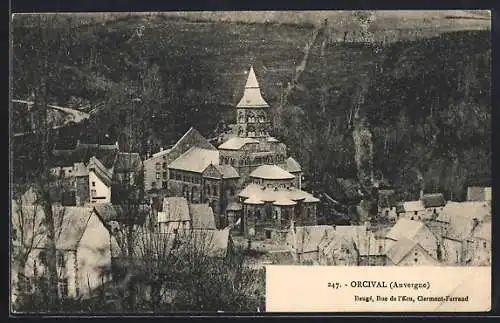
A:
[416,254]
[176,230]
[165,175]
[172,175]
[14,234]
[153,184]
[93,193]
[164,184]
[93,184]
[164,165]
[77,291]
[485,244]
[415,260]
[60,260]
[158,166]
[63,287]
[380,249]
[231,191]
[416,212]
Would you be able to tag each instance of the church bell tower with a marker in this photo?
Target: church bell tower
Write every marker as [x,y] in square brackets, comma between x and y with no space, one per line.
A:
[251,112]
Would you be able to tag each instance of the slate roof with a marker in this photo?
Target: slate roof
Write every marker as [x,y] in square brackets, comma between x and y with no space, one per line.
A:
[400,249]
[236,143]
[433,200]
[365,241]
[202,216]
[271,172]
[195,160]
[292,166]
[113,212]
[405,228]
[227,171]
[252,98]
[460,215]
[309,238]
[70,224]
[412,206]
[104,174]
[174,209]
[260,193]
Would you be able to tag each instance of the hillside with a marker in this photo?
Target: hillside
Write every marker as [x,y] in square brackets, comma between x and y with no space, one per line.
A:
[426,102]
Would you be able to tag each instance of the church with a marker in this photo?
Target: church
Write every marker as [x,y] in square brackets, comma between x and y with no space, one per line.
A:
[249,177]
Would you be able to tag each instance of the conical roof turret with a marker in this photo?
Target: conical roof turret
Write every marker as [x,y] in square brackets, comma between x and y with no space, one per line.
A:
[252,98]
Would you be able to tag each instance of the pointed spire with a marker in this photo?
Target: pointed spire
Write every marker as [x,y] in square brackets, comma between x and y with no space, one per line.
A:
[252,97]
[252,82]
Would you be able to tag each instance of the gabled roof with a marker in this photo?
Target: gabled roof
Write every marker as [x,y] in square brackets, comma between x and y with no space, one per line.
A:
[400,249]
[235,143]
[104,174]
[174,209]
[433,200]
[405,228]
[412,206]
[271,172]
[363,239]
[202,216]
[116,212]
[252,98]
[195,160]
[460,217]
[292,166]
[228,171]
[309,238]
[70,225]
[127,162]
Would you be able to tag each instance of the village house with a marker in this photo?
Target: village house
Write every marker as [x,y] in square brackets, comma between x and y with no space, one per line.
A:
[114,215]
[412,237]
[428,207]
[174,215]
[178,214]
[82,244]
[347,245]
[94,173]
[156,173]
[481,245]
[456,226]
